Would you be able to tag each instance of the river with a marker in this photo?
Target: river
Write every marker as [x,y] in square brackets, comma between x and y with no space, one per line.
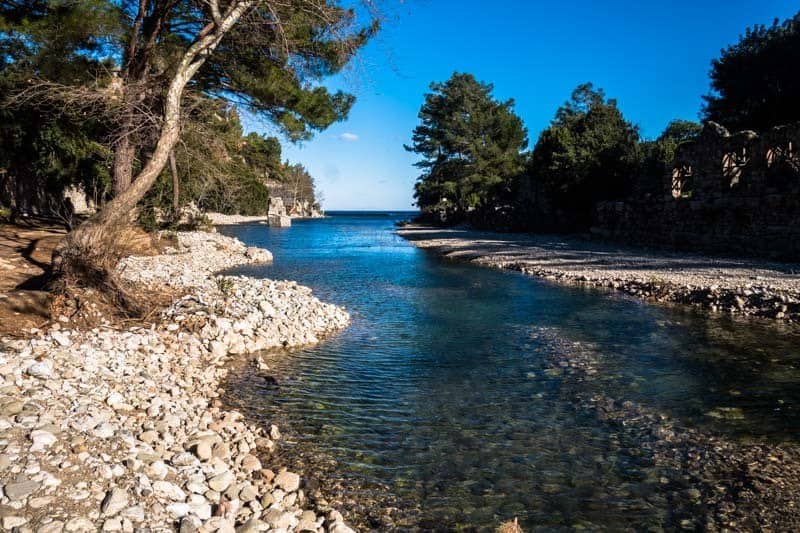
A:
[465,396]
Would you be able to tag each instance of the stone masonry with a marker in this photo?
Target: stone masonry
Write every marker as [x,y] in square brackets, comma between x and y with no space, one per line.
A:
[727,193]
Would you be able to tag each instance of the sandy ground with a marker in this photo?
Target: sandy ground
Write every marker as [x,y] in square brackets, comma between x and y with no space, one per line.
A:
[25,252]
[769,288]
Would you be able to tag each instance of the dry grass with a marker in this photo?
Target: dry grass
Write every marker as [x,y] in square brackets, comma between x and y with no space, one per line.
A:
[511,526]
[89,289]
[89,293]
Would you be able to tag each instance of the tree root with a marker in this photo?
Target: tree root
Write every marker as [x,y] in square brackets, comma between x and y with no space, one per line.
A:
[85,277]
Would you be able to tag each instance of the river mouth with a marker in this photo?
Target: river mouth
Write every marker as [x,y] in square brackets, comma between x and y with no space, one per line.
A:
[461,397]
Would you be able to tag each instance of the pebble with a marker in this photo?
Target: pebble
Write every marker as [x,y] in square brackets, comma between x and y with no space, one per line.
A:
[21,490]
[42,440]
[178,510]
[134,513]
[56,526]
[41,370]
[279,519]
[168,491]
[125,424]
[221,482]
[115,501]
[10,522]
[288,481]
[79,524]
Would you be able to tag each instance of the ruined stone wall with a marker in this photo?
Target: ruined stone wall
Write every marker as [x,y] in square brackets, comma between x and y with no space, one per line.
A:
[727,193]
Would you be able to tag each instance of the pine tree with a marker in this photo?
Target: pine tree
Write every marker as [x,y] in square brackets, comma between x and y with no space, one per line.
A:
[261,54]
[471,147]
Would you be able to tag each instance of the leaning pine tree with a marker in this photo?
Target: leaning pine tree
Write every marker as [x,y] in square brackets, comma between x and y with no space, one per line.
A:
[152,56]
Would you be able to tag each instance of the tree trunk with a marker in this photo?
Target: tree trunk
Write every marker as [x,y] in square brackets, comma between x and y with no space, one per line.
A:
[124,156]
[176,185]
[93,241]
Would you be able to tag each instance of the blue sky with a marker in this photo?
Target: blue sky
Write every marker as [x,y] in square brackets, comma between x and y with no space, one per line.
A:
[653,57]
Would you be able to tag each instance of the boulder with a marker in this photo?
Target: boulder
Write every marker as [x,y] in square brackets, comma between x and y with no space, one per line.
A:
[280,221]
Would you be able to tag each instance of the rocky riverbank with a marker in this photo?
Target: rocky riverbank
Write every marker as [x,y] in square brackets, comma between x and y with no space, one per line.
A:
[734,286]
[221,219]
[122,429]
[707,482]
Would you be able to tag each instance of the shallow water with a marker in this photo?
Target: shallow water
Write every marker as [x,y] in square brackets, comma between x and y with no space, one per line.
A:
[447,393]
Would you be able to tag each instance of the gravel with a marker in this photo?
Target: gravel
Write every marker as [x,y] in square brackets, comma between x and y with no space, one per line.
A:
[123,429]
[735,286]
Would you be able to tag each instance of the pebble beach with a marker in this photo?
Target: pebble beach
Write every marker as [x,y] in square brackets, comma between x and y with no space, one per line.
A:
[122,429]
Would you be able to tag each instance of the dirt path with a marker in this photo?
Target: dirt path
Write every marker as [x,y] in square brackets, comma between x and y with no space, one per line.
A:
[25,251]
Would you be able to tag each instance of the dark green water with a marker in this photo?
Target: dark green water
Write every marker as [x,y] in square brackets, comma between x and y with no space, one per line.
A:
[447,393]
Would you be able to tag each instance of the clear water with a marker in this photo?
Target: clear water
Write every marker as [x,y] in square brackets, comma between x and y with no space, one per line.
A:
[444,395]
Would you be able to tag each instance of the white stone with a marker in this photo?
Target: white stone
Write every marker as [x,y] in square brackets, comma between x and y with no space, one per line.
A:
[41,369]
[115,398]
[288,481]
[178,510]
[42,440]
[221,482]
[10,522]
[169,491]
[115,501]
[62,338]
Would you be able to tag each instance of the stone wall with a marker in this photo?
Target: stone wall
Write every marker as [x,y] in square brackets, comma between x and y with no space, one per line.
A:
[727,193]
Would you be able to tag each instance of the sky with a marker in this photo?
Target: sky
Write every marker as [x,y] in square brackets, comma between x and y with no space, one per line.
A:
[653,57]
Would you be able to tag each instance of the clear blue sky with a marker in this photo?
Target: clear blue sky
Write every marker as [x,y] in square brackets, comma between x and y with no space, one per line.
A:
[653,57]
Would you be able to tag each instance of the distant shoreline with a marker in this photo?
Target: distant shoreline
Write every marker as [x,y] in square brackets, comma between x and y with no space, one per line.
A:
[220,219]
[733,286]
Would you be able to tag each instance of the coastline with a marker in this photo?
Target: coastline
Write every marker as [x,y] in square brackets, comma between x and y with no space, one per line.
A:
[734,286]
[220,219]
[120,428]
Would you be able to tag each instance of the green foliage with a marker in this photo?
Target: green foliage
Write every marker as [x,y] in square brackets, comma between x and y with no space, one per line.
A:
[297,185]
[51,153]
[220,170]
[471,146]
[271,62]
[150,218]
[41,150]
[267,72]
[58,40]
[658,156]
[756,82]
[225,285]
[589,153]
[195,222]
[263,154]
[213,170]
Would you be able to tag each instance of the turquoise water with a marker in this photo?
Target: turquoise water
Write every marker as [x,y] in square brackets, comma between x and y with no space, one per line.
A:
[451,397]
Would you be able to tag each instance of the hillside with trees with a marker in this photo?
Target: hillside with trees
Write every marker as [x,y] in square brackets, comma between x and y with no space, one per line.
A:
[51,141]
[755,82]
[587,154]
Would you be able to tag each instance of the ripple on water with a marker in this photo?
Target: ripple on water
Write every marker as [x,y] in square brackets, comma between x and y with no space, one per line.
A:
[468,396]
